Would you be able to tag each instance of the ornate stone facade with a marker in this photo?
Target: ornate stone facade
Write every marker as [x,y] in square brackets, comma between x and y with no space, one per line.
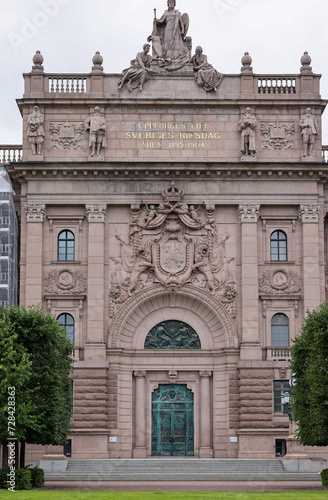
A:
[183,247]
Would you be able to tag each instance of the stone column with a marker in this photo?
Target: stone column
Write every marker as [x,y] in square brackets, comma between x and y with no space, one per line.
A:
[35,215]
[95,347]
[309,217]
[139,450]
[205,449]
[250,346]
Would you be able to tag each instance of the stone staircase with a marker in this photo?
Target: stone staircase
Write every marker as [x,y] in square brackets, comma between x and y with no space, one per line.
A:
[178,469]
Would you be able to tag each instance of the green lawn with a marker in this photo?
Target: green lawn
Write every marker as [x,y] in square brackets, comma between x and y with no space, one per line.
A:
[164,495]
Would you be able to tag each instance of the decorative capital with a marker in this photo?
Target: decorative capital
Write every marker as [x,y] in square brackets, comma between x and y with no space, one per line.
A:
[96,213]
[139,373]
[248,213]
[309,213]
[34,212]
[205,374]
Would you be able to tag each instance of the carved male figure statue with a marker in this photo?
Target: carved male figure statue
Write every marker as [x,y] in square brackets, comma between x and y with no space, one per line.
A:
[309,128]
[35,130]
[205,75]
[247,126]
[97,125]
[168,38]
[139,71]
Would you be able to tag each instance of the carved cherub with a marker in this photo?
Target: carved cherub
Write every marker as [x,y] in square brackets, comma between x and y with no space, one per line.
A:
[193,214]
[152,213]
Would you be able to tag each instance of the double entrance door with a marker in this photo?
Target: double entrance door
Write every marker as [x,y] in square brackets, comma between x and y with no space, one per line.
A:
[172,421]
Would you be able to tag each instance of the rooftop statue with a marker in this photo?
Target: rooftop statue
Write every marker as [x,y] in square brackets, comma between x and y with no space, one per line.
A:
[168,38]
[139,71]
[205,75]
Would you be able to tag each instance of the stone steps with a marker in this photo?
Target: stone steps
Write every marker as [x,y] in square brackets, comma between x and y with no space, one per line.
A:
[177,469]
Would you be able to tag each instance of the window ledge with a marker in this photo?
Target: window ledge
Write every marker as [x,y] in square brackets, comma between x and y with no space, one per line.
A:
[65,262]
[279,262]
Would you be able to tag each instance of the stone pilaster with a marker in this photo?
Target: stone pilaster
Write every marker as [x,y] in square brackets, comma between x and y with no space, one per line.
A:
[309,217]
[139,450]
[248,216]
[35,215]
[205,449]
[95,346]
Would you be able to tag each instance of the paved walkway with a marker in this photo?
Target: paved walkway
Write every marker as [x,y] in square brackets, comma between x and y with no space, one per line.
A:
[185,486]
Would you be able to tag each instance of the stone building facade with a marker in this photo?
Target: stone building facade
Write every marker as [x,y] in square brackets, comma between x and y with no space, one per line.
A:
[178,232]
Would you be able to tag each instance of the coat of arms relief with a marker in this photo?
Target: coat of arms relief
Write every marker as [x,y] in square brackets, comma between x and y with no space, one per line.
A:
[170,245]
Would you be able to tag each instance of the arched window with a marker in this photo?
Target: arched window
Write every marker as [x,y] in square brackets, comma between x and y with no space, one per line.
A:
[279,330]
[278,246]
[67,321]
[66,245]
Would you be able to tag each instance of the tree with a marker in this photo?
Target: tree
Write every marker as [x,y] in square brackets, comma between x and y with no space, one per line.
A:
[310,366]
[35,358]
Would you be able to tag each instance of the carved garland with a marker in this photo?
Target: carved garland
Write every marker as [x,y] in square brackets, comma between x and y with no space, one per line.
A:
[133,302]
[64,281]
[279,282]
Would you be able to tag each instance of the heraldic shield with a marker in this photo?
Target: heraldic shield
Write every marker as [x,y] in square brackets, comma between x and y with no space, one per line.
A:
[173,261]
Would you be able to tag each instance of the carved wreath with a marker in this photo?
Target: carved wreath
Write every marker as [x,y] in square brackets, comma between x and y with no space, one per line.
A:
[279,281]
[65,281]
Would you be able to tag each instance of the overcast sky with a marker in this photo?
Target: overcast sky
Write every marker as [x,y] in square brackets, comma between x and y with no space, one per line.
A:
[68,32]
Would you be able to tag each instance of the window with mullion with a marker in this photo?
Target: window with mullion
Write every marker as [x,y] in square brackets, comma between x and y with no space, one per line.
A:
[67,321]
[279,386]
[279,330]
[66,246]
[278,246]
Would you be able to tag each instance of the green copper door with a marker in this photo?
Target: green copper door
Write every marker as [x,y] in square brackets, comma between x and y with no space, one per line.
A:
[172,421]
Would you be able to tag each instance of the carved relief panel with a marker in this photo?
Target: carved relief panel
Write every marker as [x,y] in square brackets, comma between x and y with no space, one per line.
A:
[172,245]
[67,135]
[277,136]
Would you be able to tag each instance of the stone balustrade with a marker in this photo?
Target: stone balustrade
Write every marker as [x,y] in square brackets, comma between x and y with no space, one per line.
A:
[10,153]
[325,153]
[238,86]
[278,353]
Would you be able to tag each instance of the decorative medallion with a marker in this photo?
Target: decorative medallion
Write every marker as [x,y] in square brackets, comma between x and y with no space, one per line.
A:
[279,281]
[172,244]
[65,281]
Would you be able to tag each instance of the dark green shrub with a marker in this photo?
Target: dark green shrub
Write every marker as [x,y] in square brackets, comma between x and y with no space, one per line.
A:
[23,479]
[37,477]
[4,478]
[324,477]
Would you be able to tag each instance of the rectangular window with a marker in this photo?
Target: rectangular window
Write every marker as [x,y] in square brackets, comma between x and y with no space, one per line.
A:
[279,386]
